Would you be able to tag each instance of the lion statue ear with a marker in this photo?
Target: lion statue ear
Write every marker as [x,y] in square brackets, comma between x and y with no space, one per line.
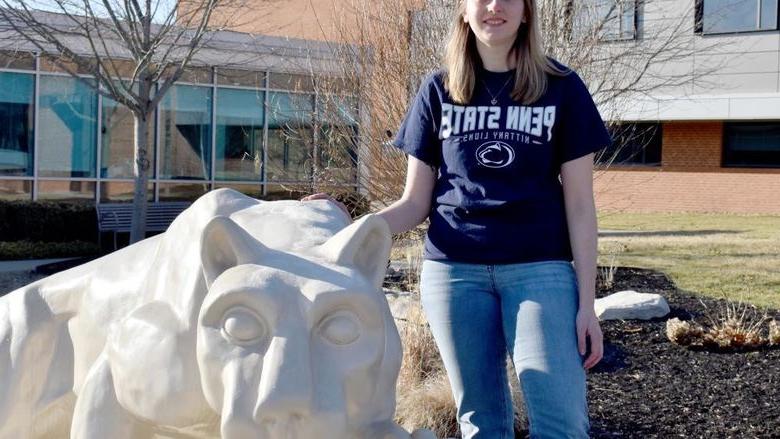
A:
[364,244]
[224,244]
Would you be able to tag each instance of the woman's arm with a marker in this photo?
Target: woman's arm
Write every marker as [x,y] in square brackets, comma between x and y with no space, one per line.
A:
[577,178]
[415,203]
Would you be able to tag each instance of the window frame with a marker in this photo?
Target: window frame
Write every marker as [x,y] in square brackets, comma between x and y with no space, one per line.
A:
[333,85]
[698,26]
[634,34]
[657,137]
[602,36]
[727,156]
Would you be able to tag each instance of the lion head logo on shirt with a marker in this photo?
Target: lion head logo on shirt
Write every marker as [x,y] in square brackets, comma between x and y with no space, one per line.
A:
[495,154]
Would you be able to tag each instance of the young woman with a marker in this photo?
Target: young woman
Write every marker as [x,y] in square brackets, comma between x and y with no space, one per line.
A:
[501,144]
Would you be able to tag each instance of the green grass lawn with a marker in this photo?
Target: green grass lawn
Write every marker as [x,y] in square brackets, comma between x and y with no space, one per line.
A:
[709,254]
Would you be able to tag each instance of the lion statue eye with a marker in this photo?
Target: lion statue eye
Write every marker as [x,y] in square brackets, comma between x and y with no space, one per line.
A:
[243,326]
[340,328]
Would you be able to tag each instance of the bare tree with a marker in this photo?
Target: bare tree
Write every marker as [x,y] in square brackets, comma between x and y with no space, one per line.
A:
[134,51]
[618,53]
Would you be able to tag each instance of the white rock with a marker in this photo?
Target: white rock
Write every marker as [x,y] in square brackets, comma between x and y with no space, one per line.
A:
[629,304]
[399,303]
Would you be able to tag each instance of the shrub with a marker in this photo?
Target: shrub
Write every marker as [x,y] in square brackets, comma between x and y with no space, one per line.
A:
[42,250]
[734,327]
[47,221]
[774,332]
[429,404]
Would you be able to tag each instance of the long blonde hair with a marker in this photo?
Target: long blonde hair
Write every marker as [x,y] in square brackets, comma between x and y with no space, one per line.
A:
[461,59]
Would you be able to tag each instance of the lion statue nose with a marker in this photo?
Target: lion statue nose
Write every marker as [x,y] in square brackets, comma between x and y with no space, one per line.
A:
[285,387]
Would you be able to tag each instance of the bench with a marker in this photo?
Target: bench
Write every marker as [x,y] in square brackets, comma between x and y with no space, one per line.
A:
[117,217]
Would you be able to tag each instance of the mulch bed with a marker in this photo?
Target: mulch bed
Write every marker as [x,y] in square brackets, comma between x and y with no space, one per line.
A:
[645,386]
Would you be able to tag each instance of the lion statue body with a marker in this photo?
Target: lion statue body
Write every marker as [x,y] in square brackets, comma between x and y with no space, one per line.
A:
[245,319]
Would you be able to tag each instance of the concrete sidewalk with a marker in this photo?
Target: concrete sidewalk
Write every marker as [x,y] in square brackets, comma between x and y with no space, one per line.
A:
[27,264]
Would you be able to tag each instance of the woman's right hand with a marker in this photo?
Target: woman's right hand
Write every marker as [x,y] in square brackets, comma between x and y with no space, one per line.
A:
[324,196]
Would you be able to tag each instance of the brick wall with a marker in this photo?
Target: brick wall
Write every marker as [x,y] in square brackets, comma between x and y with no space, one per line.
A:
[306,19]
[690,178]
[735,191]
[692,145]
[322,20]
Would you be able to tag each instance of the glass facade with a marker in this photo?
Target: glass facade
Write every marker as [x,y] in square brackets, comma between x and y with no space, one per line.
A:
[337,140]
[59,140]
[67,128]
[185,133]
[66,190]
[239,149]
[17,60]
[724,16]
[15,189]
[290,136]
[637,143]
[117,141]
[17,95]
[751,144]
[121,191]
[611,20]
[182,192]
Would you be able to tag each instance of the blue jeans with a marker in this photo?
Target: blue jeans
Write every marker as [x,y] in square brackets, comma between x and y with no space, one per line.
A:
[479,312]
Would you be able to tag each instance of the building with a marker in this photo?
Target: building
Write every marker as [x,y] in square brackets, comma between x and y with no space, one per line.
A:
[244,116]
[712,144]
[709,144]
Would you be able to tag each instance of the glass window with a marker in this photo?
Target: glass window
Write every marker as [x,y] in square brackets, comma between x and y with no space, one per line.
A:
[285,192]
[185,133]
[251,190]
[197,75]
[337,85]
[239,134]
[121,191]
[609,19]
[67,128]
[719,16]
[49,64]
[634,144]
[117,141]
[768,18]
[17,60]
[122,68]
[15,189]
[16,123]
[181,192]
[246,78]
[66,190]
[337,140]
[290,137]
[286,81]
[751,144]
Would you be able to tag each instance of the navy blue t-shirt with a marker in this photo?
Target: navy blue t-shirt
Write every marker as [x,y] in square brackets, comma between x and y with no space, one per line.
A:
[497,197]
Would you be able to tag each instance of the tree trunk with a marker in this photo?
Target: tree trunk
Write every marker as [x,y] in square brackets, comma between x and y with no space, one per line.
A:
[142,165]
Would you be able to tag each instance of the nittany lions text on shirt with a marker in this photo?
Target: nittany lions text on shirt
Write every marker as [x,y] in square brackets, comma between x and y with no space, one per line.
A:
[498,198]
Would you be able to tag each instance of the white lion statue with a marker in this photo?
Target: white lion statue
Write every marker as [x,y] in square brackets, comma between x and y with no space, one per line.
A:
[245,319]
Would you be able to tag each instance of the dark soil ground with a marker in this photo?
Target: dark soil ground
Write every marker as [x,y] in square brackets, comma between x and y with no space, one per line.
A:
[645,386]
